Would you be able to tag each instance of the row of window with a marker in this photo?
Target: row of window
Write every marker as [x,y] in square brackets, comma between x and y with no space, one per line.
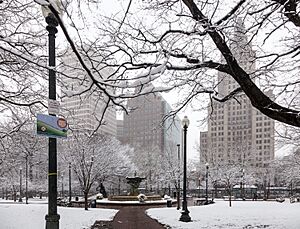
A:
[263,141]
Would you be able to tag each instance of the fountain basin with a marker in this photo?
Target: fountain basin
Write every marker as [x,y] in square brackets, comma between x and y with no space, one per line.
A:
[133,198]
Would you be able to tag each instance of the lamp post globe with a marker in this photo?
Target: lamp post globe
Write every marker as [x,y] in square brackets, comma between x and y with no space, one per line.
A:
[185,122]
[185,212]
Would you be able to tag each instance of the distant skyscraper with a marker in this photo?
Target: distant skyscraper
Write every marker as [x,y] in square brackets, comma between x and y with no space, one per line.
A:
[143,126]
[120,130]
[237,132]
[84,110]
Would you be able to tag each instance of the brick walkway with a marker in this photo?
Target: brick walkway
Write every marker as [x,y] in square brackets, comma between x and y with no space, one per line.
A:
[130,217]
[134,217]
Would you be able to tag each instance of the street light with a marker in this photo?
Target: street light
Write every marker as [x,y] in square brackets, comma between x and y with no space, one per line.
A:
[20,198]
[70,188]
[199,184]
[52,218]
[242,185]
[185,212]
[206,183]
[26,180]
[178,181]
[62,185]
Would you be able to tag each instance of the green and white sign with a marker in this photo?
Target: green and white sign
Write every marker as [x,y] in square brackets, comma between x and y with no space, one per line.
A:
[51,126]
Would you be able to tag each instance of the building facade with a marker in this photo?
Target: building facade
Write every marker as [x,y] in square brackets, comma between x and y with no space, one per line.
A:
[237,132]
[144,126]
[84,108]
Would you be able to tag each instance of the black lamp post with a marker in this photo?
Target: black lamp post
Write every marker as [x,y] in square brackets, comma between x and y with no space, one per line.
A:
[62,186]
[20,198]
[206,183]
[242,185]
[199,184]
[52,218]
[119,185]
[178,181]
[70,187]
[185,212]
[26,180]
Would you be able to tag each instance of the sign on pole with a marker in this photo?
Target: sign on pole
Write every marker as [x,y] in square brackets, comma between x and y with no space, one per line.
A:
[51,126]
[53,106]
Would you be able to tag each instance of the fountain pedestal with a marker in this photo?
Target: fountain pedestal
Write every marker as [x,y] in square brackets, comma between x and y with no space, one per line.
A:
[134,183]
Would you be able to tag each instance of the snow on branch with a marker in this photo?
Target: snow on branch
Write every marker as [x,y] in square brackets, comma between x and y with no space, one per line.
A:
[42,2]
[149,75]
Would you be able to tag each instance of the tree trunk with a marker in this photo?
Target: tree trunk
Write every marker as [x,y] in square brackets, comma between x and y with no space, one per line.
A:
[86,205]
[257,97]
[216,191]
[229,192]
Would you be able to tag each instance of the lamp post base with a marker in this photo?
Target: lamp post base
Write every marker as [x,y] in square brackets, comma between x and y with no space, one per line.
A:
[52,221]
[185,216]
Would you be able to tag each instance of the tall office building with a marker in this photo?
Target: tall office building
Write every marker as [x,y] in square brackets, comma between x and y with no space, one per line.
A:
[143,126]
[237,132]
[83,111]
[120,130]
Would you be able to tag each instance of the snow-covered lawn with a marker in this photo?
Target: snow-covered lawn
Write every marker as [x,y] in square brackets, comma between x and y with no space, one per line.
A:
[32,216]
[242,214]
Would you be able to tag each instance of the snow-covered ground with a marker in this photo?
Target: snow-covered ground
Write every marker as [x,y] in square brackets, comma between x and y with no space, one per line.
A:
[32,216]
[242,214]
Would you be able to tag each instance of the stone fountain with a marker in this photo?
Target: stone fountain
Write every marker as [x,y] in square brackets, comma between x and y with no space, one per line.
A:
[134,183]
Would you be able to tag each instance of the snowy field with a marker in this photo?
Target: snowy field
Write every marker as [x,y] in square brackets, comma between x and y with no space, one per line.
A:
[242,215]
[32,216]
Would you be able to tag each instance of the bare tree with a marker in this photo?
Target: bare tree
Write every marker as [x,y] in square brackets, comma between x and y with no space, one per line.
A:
[94,159]
[226,175]
[21,149]
[146,162]
[288,170]
[157,41]
[188,37]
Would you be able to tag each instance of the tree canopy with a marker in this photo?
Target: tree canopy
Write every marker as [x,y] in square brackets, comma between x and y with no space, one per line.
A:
[178,45]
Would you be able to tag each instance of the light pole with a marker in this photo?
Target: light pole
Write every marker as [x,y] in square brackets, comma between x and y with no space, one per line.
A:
[199,193]
[242,185]
[70,187]
[119,185]
[52,218]
[206,183]
[20,198]
[178,181]
[62,185]
[26,180]
[185,212]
